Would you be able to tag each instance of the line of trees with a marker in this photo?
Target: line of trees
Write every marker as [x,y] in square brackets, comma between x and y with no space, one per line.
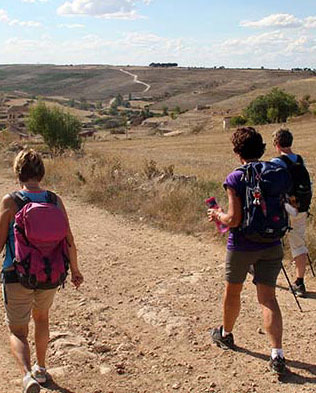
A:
[163,65]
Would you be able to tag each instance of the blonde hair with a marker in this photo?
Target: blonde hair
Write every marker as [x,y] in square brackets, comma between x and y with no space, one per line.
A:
[28,164]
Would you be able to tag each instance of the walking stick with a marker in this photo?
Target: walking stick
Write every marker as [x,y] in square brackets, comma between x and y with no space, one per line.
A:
[290,285]
[311,264]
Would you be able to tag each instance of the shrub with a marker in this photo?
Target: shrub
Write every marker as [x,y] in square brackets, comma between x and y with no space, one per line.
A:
[304,104]
[83,104]
[59,130]
[274,107]
[236,121]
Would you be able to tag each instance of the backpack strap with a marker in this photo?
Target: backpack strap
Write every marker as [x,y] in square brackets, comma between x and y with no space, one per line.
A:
[299,159]
[20,199]
[286,160]
[289,162]
[52,198]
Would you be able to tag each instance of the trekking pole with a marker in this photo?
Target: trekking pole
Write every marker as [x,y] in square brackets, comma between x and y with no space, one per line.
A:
[311,264]
[290,285]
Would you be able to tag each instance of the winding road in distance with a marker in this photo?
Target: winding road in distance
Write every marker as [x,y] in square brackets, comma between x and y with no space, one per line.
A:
[136,80]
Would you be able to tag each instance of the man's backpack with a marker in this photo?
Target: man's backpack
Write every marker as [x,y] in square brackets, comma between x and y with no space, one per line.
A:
[264,217]
[41,254]
[301,188]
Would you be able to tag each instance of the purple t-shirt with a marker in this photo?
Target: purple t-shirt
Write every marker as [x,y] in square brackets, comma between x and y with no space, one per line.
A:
[236,240]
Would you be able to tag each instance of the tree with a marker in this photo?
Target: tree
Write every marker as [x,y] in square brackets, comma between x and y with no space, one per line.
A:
[99,105]
[275,106]
[71,103]
[83,104]
[60,130]
[165,110]
[113,109]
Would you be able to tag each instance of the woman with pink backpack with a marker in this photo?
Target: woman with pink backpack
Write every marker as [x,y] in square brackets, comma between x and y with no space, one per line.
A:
[39,249]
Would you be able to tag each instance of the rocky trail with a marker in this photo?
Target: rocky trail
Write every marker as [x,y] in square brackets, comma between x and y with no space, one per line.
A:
[140,321]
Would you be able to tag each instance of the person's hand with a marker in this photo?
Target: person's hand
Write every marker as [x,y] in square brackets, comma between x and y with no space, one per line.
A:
[76,278]
[213,214]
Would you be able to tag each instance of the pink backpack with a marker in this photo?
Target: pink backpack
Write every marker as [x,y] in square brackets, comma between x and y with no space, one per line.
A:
[41,254]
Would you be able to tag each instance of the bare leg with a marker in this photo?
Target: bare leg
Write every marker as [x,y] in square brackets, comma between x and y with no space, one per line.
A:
[20,347]
[300,262]
[41,334]
[231,305]
[272,317]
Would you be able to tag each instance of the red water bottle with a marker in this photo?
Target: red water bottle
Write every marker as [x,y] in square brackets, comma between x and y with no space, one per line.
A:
[212,204]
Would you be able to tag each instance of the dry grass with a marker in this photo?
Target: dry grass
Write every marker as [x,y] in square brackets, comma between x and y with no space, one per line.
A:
[80,114]
[148,193]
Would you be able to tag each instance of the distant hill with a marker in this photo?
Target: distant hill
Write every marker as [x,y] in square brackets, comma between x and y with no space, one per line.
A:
[170,87]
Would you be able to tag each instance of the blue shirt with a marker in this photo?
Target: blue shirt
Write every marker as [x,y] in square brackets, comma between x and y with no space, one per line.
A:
[278,161]
[10,249]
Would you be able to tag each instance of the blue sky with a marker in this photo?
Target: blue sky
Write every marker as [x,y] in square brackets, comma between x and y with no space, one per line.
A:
[232,33]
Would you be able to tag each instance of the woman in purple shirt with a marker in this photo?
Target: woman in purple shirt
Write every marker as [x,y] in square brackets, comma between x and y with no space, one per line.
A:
[243,255]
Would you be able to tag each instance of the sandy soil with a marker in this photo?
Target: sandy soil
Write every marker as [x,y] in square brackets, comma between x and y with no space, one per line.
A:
[140,322]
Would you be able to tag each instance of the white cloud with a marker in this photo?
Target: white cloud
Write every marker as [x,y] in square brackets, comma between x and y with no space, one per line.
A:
[285,21]
[270,49]
[275,20]
[134,48]
[4,17]
[71,26]
[310,22]
[152,42]
[107,9]
[34,1]
[255,42]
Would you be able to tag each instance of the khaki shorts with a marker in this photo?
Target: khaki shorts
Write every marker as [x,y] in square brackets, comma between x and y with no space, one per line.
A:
[297,234]
[266,264]
[19,302]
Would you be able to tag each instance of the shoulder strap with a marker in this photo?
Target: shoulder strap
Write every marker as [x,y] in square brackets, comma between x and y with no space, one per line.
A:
[287,160]
[52,197]
[300,159]
[20,199]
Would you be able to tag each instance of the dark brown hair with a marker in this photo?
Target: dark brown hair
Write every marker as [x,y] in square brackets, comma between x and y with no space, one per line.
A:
[248,143]
[283,137]
[28,164]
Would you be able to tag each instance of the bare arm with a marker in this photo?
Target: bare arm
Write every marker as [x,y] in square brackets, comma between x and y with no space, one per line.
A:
[7,212]
[234,214]
[76,276]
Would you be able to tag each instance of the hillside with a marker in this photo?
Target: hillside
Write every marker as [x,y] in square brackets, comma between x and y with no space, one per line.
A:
[185,87]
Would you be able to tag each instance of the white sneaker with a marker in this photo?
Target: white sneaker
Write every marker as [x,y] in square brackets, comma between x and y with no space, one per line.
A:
[39,373]
[30,385]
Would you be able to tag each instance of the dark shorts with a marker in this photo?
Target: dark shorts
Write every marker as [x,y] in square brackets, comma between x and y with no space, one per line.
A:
[266,265]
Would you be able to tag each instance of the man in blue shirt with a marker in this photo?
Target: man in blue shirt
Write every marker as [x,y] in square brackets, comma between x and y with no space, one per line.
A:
[282,141]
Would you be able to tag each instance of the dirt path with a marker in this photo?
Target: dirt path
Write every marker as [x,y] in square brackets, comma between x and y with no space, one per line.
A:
[147,86]
[140,322]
